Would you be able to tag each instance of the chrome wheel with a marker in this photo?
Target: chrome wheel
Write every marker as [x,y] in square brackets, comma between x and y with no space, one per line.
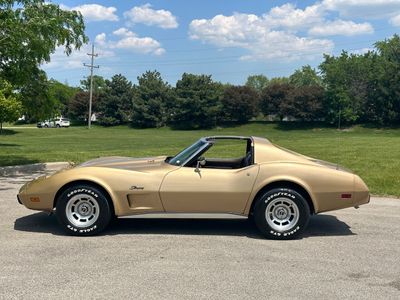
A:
[82,210]
[282,214]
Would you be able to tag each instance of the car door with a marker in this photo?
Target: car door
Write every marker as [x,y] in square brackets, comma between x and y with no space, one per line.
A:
[209,190]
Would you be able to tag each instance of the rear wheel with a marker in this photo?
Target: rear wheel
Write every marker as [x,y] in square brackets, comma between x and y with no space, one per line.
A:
[83,210]
[281,214]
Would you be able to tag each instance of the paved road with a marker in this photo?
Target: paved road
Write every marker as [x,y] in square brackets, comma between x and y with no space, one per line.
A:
[345,254]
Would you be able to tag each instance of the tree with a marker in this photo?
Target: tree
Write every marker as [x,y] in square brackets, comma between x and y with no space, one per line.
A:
[78,106]
[276,100]
[115,101]
[257,82]
[60,94]
[239,103]
[306,76]
[280,80]
[36,100]
[10,106]
[98,84]
[384,104]
[197,102]
[307,103]
[150,101]
[30,31]
[347,79]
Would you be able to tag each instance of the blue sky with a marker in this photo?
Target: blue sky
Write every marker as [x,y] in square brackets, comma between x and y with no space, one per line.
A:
[229,39]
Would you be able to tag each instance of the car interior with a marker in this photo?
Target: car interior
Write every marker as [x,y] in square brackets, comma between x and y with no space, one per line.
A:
[225,153]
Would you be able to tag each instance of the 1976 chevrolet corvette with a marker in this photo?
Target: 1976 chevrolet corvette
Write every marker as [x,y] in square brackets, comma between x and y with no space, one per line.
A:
[276,187]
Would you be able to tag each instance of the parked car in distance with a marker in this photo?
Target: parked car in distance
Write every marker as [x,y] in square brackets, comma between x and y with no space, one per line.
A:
[58,122]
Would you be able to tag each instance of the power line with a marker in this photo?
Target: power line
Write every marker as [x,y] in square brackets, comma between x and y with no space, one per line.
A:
[91,66]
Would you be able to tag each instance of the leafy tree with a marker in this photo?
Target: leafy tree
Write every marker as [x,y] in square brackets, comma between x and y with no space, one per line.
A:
[257,82]
[197,102]
[115,101]
[276,100]
[384,104]
[280,80]
[10,106]
[150,100]
[36,100]
[30,31]
[347,81]
[307,103]
[306,76]
[78,106]
[240,103]
[60,94]
[99,84]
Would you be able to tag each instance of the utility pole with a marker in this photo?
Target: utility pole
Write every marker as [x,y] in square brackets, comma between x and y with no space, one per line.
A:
[91,66]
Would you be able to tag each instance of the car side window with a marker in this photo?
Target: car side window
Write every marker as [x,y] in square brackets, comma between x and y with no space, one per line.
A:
[228,154]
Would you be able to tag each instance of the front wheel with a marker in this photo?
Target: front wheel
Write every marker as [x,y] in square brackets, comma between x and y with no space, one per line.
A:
[281,214]
[83,210]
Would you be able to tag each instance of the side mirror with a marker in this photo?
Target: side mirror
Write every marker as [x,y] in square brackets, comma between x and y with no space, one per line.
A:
[201,161]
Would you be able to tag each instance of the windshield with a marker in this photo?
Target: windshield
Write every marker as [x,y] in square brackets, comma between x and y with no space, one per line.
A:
[184,155]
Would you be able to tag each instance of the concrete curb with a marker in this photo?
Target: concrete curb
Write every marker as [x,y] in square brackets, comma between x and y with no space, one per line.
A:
[33,168]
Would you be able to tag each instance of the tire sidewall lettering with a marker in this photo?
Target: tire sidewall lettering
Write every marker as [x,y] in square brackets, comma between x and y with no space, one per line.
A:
[261,219]
[83,230]
[103,219]
[82,191]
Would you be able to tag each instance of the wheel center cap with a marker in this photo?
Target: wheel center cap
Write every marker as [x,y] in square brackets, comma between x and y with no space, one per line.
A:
[281,213]
[84,209]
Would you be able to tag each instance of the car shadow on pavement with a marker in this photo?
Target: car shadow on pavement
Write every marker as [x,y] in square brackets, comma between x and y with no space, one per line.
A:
[320,225]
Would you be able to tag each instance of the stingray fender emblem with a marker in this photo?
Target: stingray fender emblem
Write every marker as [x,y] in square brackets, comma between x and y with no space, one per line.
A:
[136,187]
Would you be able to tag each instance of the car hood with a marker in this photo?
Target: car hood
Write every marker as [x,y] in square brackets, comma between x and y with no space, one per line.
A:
[127,163]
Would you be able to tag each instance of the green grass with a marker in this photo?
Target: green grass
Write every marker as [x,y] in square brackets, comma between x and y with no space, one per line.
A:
[374,154]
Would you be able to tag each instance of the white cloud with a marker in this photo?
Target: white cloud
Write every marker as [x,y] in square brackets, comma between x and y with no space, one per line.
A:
[95,12]
[59,60]
[146,15]
[367,9]
[340,27]
[255,34]
[130,41]
[288,16]
[100,39]
[123,32]
[287,31]
[395,21]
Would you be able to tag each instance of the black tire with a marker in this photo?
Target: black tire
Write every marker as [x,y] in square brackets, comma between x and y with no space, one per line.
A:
[58,126]
[46,126]
[288,214]
[88,200]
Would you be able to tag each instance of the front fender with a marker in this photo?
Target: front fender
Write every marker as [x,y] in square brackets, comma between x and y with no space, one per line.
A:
[40,193]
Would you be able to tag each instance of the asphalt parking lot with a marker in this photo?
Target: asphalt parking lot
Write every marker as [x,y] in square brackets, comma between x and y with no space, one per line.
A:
[344,254]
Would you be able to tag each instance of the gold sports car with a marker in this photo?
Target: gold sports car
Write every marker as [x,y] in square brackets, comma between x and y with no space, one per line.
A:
[278,188]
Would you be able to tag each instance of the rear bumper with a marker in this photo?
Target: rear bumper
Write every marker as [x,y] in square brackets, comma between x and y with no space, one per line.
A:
[361,192]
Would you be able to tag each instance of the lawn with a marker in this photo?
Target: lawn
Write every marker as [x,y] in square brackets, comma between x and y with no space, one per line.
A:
[372,153]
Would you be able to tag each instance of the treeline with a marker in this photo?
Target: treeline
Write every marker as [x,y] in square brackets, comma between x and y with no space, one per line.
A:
[349,88]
